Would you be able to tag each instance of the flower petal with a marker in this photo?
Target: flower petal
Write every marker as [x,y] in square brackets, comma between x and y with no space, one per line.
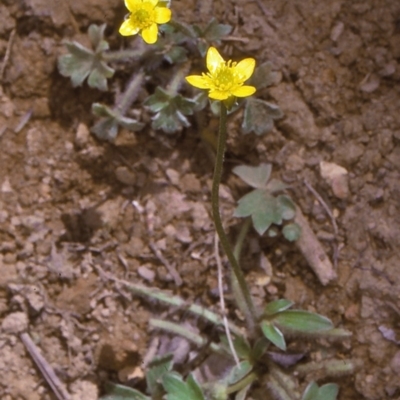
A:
[149,34]
[152,2]
[198,81]
[245,68]
[130,4]
[128,29]
[162,15]
[218,95]
[244,91]
[214,59]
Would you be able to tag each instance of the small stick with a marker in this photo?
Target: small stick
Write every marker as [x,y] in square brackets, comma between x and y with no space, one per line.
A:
[222,301]
[24,120]
[171,269]
[7,55]
[312,250]
[45,368]
[331,216]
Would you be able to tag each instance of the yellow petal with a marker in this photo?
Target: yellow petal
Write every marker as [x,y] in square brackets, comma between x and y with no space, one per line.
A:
[214,59]
[128,29]
[152,2]
[162,15]
[218,95]
[244,91]
[198,81]
[149,34]
[245,68]
[130,4]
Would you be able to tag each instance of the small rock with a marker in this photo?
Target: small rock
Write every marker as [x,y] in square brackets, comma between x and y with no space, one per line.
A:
[82,135]
[84,390]
[130,372]
[190,183]
[173,176]
[15,323]
[125,175]
[336,31]
[395,363]
[370,83]
[6,186]
[146,273]
[337,178]
[294,163]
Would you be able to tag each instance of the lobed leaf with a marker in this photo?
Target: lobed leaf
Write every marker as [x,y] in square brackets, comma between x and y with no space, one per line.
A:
[256,177]
[325,392]
[259,116]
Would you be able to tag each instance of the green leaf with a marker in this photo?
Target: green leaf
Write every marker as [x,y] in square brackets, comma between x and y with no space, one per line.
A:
[171,110]
[240,344]
[157,369]
[121,392]
[286,207]
[176,54]
[302,321]
[292,232]
[325,392]
[263,208]
[273,334]
[256,177]
[277,306]
[215,31]
[107,127]
[263,76]
[259,116]
[81,62]
[238,372]
[260,347]
[177,389]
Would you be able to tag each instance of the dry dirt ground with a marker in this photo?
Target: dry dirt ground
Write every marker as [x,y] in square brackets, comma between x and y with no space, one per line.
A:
[71,206]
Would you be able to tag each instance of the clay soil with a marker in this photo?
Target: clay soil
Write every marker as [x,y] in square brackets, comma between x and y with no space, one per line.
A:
[72,207]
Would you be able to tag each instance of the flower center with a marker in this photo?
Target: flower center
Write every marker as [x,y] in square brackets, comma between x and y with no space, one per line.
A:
[143,16]
[225,76]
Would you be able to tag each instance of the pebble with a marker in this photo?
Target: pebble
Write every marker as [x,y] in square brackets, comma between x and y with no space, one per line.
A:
[82,135]
[146,273]
[16,322]
[337,178]
[125,175]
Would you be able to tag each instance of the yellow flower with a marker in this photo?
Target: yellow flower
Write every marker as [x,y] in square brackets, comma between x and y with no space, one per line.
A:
[225,78]
[143,19]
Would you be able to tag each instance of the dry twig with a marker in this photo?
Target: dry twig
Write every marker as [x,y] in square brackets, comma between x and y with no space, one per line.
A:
[7,55]
[45,368]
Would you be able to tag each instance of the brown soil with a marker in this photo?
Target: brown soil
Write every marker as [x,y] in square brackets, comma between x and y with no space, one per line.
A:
[65,213]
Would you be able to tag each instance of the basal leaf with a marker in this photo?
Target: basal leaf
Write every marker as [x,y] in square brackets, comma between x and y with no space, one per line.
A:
[302,321]
[238,372]
[256,177]
[273,334]
[263,76]
[277,306]
[325,392]
[259,116]
[215,31]
[157,369]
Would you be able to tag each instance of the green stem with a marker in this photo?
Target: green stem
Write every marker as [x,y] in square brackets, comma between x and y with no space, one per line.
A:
[130,93]
[246,381]
[240,239]
[176,81]
[248,307]
[121,55]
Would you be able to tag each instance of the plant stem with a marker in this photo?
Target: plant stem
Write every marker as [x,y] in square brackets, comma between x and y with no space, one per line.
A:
[121,55]
[248,307]
[130,93]
[176,81]
[246,381]
[240,239]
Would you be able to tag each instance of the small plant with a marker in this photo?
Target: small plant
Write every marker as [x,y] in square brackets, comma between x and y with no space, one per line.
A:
[251,348]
